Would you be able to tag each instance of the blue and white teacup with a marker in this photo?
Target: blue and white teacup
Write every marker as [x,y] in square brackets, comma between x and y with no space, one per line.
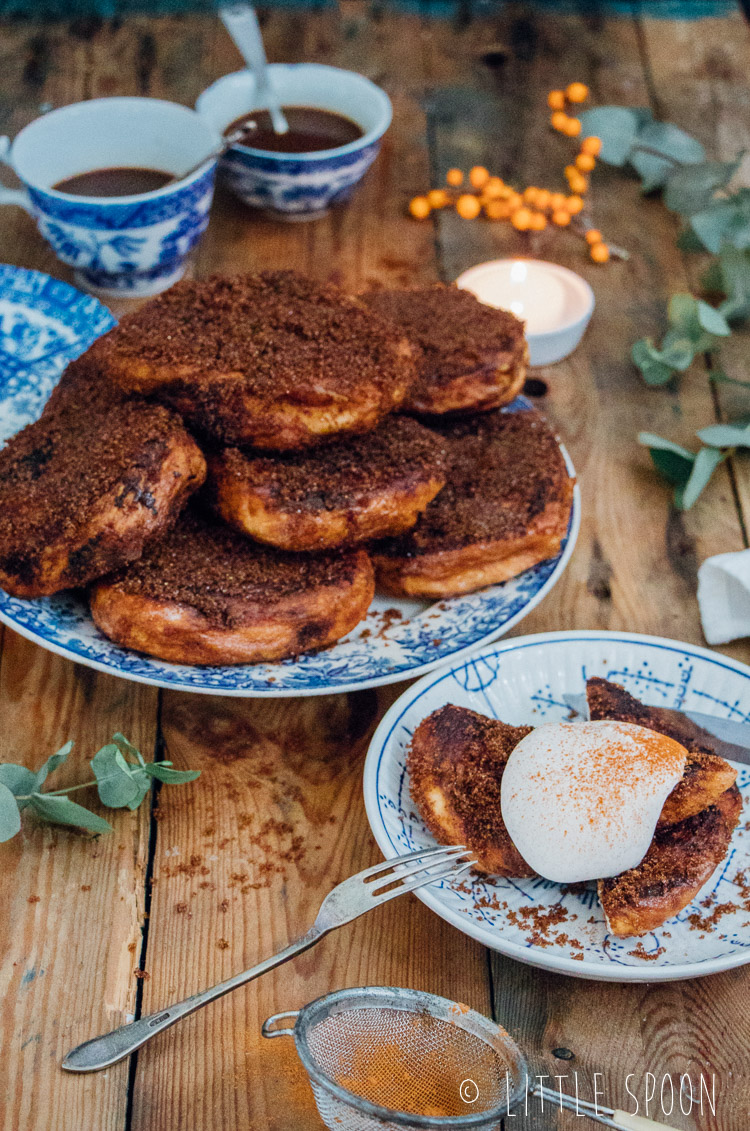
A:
[299,186]
[124,245]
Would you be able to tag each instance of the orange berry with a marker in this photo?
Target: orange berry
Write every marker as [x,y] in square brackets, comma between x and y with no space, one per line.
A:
[515,200]
[538,222]
[585,162]
[599,252]
[593,235]
[497,210]
[478,176]
[557,200]
[558,120]
[574,205]
[437,198]
[578,184]
[570,171]
[556,100]
[543,198]
[454,177]
[521,219]
[592,145]
[577,92]
[561,218]
[494,188]
[468,206]
[420,207]
[572,127]
[530,194]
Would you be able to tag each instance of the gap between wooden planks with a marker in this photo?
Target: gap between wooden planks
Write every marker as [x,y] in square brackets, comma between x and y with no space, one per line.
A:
[614,585]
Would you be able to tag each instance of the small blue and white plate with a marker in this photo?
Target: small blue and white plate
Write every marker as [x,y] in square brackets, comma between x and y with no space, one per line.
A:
[533,920]
[44,324]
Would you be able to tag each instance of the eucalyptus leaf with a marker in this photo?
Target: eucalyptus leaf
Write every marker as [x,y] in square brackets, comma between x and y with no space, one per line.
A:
[673,461]
[654,372]
[713,225]
[116,783]
[659,148]
[733,269]
[706,462]
[171,777]
[10,813]
[682,312]
[63,811]
[726,435]
[712,320]
[127,748]
[691,188]
[617,126]
[18,779]
[52,763]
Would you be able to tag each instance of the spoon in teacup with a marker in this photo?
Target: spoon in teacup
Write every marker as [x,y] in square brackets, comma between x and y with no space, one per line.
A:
[242,24]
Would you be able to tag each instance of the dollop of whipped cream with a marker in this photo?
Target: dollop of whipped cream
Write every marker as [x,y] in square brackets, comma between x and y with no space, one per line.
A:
[581,800]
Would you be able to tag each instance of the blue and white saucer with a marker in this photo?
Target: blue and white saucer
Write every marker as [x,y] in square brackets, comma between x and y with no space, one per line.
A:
[43,325]
[522,681]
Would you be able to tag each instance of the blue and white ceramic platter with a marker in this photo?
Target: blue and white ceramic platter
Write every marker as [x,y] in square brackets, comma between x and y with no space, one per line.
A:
[43,325]
[522,681]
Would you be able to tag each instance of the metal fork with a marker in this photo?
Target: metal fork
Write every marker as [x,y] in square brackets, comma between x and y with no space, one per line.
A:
[346,902]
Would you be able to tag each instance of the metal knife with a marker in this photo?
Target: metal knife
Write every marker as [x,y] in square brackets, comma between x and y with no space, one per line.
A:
[729,738]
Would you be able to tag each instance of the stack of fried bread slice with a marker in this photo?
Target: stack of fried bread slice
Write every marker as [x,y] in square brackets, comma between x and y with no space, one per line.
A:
[338,437]
[456,761]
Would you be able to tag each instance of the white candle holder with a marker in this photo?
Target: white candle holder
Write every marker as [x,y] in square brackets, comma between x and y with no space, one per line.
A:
[555,303]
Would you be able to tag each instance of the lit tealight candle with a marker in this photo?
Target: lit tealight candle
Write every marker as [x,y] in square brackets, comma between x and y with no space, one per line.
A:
[556,304]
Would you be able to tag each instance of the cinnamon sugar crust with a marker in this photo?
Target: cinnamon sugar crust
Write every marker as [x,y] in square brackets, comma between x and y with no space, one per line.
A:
[469,356]
[275,359]
[681,859]
[206,594]
[353,490]
[85,487]
[505,507]
[455,762]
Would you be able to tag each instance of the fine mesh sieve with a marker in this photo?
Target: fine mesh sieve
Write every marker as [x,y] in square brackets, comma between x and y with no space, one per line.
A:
[381,1058]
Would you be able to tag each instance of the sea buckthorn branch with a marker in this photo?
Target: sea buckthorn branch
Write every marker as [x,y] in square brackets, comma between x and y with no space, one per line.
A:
[531,209]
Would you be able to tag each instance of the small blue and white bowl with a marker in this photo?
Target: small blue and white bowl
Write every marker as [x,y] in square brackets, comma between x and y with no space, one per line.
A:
[127,245]
[299,186]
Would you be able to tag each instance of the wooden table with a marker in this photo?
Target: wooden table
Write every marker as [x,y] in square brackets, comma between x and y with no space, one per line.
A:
[225,871]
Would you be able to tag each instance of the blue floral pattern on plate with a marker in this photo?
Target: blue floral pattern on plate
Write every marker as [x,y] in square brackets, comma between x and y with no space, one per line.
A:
[43,325]
[533,920]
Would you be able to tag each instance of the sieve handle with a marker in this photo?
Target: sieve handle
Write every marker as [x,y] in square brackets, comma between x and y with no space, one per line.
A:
[268,1031]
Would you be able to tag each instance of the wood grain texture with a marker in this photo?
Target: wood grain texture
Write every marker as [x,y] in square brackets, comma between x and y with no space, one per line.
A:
[242,859]
[280,818]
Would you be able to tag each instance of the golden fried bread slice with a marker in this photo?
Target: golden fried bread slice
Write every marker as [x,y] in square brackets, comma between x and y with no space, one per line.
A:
[469,357]
[343,492]
[273,360]
[681,859]
[455,761]
[504,508]
[205,594]
[84,488]
[707,776]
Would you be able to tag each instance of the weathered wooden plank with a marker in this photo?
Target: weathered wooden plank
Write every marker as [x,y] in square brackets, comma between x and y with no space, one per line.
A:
[70,934]
[700,82]
[74,907]
[278,818]
[634,567]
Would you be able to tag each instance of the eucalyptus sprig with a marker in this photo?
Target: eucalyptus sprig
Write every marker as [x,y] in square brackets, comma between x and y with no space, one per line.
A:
[121,775]
[715,222]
